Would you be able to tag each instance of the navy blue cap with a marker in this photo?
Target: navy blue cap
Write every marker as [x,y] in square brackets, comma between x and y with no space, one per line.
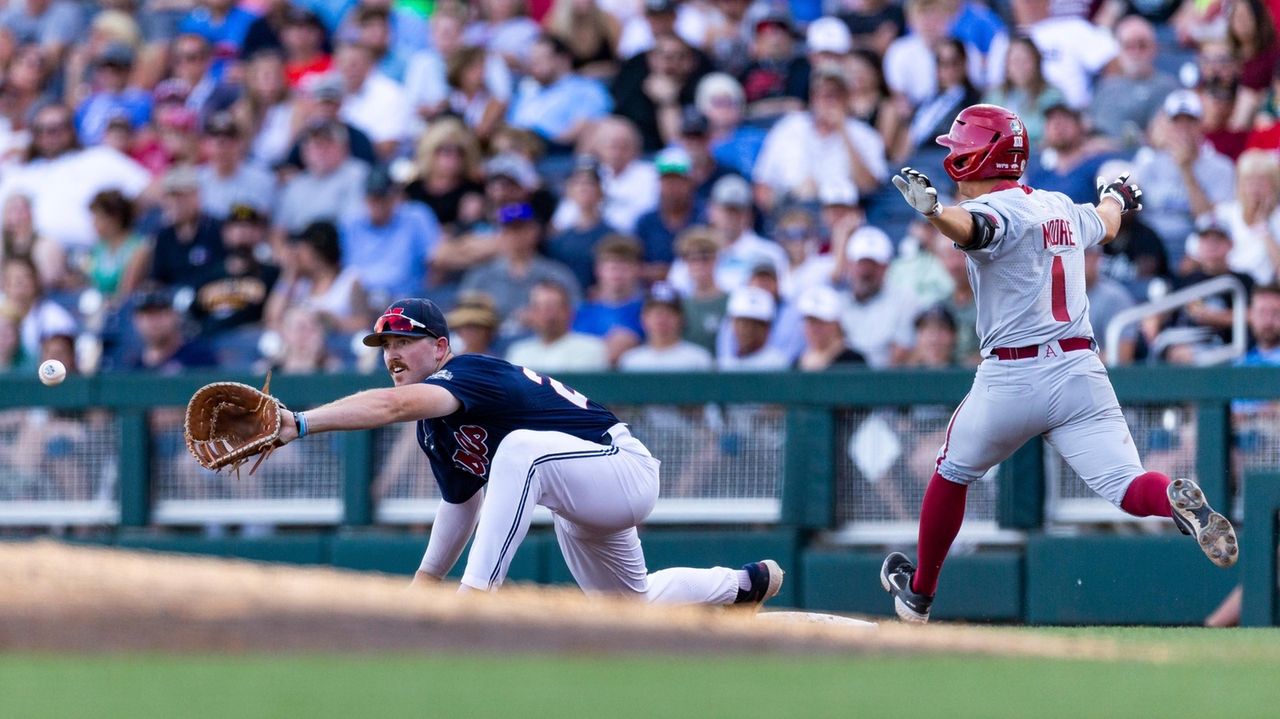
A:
[410,317]
[508,214]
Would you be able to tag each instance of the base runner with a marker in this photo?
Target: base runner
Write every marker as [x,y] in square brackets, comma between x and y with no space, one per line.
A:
[1041,374]
[502,439]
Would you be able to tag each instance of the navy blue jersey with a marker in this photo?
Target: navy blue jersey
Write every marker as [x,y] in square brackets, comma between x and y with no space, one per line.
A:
[497,399]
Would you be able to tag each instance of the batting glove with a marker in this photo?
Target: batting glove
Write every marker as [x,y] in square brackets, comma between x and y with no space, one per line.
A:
[918,192]
[1127,194]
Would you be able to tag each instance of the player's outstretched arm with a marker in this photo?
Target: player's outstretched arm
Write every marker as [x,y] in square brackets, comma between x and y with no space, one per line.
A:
[954,222]
[373,408]
[1115,198]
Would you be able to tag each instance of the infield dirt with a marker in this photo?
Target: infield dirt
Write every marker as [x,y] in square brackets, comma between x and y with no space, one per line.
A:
[55,597]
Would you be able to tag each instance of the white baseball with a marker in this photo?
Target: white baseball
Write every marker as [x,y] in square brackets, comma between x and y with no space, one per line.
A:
[52,372]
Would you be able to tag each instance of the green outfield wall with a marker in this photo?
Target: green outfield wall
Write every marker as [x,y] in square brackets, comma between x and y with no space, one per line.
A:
[1084,575]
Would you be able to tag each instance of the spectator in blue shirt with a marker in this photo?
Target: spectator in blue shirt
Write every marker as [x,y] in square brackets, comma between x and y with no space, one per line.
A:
[1070,163]
[112,97]
[612,311]
[222,22]
[575,244]
[390,242]
[676,211]
[553,101]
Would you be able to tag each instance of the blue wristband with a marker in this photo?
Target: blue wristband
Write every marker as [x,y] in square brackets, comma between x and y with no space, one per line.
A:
[300,419]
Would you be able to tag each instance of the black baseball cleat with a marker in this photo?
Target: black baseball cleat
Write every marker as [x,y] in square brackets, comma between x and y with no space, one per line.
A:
[895,577]
[766,582]
[1194,517]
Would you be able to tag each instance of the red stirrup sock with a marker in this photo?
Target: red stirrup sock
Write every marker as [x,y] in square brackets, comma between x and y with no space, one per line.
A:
[1148,496]
[941,514]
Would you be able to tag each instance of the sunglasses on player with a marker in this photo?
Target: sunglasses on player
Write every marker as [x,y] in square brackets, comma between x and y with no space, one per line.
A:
[399,323]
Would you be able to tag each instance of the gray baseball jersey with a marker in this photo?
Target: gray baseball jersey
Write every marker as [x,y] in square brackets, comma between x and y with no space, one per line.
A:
[1028,282]
[1028,285]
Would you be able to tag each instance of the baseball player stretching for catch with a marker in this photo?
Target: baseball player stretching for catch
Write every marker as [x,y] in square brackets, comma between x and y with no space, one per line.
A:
[502,439]
[1040,375]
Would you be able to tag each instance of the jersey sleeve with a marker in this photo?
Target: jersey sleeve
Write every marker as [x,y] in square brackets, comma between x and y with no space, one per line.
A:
[1000,223]
[478,390]
[1092,231]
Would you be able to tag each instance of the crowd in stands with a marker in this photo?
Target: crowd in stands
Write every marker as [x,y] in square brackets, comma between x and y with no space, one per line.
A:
[594,184]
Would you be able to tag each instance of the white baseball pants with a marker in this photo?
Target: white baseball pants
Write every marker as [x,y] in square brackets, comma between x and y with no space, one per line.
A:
[1065,396]
[597,494]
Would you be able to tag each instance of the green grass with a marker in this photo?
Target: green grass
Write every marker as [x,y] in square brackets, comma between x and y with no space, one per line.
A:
[1243,681]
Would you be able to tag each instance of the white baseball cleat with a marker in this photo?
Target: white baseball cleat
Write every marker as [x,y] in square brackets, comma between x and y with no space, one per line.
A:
[1194,517]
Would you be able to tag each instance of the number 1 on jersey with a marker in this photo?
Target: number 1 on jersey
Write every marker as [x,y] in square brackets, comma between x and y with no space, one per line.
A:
[577,398]
[1058,291]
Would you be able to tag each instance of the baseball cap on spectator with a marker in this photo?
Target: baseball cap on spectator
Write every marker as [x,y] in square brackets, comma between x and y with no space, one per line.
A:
[171,90]
[714,86]
[117,54]
[838,194]
[154,299]
[694,123]
[475,309]
[586,165]
[180,178]
[752,303]
[513,167]
[1059,103]
[1209,224]
[937,314]
[295,15]
[773,18]
[829,34]
[673,161]
[178,118]
[731,191]
[820,302]
[411,317]
[870,243]
[326,87]
[1183,103]
[222,124]
[662,294]
[378,183]
[323,128]
[242,212]
[511,214]
[658,7]
[763,267]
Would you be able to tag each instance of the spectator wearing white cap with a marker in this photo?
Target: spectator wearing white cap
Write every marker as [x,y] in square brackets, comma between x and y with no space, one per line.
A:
[664,350]
[1181,175]
[731,217]
[721,100]
[806,150]
[878,319]
[751,313]
[824,344]
[827,40]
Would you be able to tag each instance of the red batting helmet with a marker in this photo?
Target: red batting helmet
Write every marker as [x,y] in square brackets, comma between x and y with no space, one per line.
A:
[986,142]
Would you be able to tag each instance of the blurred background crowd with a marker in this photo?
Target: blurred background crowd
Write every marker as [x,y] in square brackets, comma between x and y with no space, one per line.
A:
[596,184]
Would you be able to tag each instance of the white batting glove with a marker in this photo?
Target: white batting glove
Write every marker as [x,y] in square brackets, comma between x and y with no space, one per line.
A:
[1126,194]
[918,191]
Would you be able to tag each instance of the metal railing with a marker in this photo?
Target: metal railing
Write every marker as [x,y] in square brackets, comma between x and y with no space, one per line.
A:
[1181,298]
